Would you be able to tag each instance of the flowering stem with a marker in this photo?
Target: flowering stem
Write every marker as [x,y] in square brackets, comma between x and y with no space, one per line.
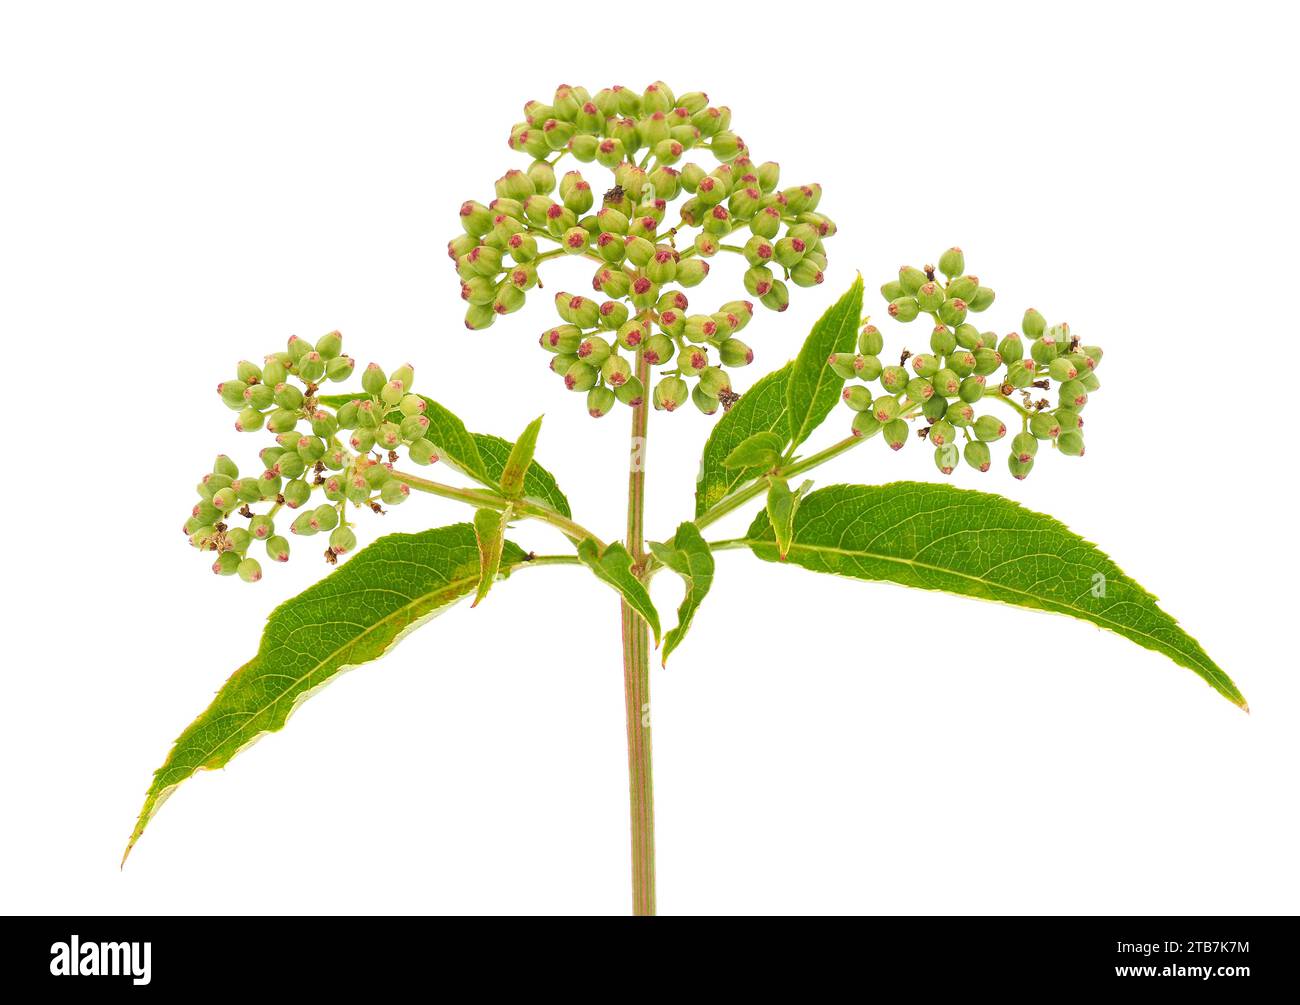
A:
[636,673]
[786,469]
[482,499]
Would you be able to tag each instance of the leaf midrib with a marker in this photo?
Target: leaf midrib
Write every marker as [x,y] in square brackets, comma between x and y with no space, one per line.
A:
[333,653]
[1083,614]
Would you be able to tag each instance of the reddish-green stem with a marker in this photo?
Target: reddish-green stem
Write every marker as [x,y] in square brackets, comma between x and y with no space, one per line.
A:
[636,672]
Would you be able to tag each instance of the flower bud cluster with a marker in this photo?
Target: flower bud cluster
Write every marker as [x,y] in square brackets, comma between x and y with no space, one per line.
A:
[944,391]
[313,468]
[641,244]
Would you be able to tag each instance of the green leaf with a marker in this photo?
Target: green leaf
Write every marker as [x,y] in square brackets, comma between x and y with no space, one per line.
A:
[539,484]
[614,567]
[520,460]
[488,455]
[761,409]
[762,450]
[936,537]
[350,617]
[814,388]
[689,556]
[490,533]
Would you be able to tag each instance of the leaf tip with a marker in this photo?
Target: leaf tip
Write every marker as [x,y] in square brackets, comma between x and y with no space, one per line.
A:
[1243,706]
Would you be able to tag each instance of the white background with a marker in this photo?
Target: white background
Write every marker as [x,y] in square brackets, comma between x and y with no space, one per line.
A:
[184,187]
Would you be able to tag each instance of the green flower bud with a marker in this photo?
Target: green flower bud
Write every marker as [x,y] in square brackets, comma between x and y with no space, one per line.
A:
[422,451]
[1062,369]
[1073,394]
[593,349]
[325,517]
[976,454]
[910,279]
[857,397]
[304,524]
[885,408]
[942,433]
[373,379]
[1019,469]
[348,415]
[357,492]
[971,389]
[930,296]
[962,288]
[392,392]
[1092,354]
[232,393]
[960,413]
[580,377]
[1044,426]
[986,361]
[542,175]
[630,392]
[935,408]
[894,378]
[844,364]
[340,368]
[277,549]
[249,420]
[669,393]
[1011,348]
[734,352]
[759,251]
[925,365]
[701,400]
[310,448]
[323,423]
[947,383]
[946,457]
[714,380]
[952,312]
[807,273]
[777,298]
[261,527]
[296,493]
[226,564]
[562,339]
[413,428]
[247,489]
[342,540]
[982,300]
[989,428]
[952,262]
[1068,418]
[692,359]
[1020,374]
[919,389]
[363,440]
[1024,446]
[388,436]
[599,401]
[1070,443]
[692,271]
[865,425]
[895,431]
[329,345]
[250,570]
[475,218]
[870,341]
[615,370]
[1033,324]
[904,309]
[969,337]
[942,341]
[658,349]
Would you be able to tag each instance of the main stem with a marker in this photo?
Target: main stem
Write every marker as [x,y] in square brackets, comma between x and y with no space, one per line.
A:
[636,672]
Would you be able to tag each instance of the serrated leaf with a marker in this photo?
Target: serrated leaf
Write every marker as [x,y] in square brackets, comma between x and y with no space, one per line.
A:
[490,534]
[520,460]
[350,617]
[936,537]
[613,566]
[762,450]
[488,456]
[814,388]
[689,556]
[761,409]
